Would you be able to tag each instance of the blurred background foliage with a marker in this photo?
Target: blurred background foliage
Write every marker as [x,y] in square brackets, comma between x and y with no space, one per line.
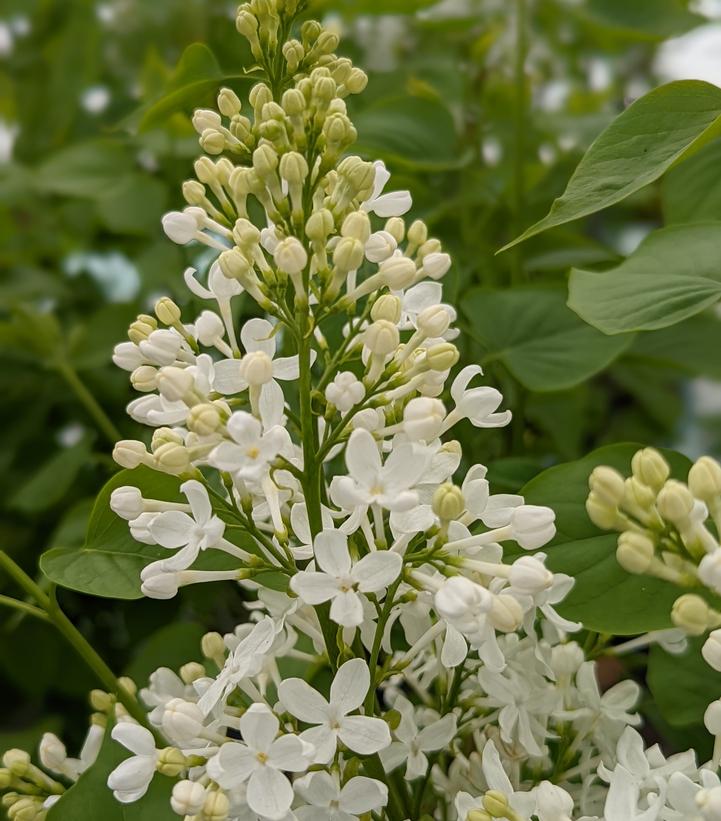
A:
[481,118]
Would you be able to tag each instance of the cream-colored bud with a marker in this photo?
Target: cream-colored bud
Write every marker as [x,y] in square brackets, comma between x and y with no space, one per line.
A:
[172,458]
[142,327]
[293,102]
[326,43]
[212,141]
[506,613]
[216,807]
[259,95]
[436,265]
[607,484]
[674,501]
[17,761]
[26,809]
[650,467]
[398,272]
[144,378]
[635,552]
[433,321]
[161,436]
[290,256]
[294,53]
[246,24]
[212,646]
[175,383]
[600,513]
[204,118]
[381,337]
[129,453]
[324,90]
[357,225]
[167,311]
[256,368]
[396,227]
[320,224]
[348,254]
[234,265]
[442,357]
[448,502]
[387,307]
[204,419]
[356,81]
[712,720]
[691,614]
[191,672]
[417,232]
[637,494]
[205,170]
[293,168]
[310,31]
[228,102]
[245,233]
[265,160]
[430,246]
[171,762]
[101,701]
[194,192]
[478,815]
[704,479]
[380,246]
[496,804]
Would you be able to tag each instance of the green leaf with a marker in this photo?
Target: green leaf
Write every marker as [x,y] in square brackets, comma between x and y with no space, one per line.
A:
[357,7]
[90,799]
[671,276]
[196,76]
[408,130]
[135,207]
[641,144]
[604,597]
[691,192]
[170,646]
[87,169]
[648,19]
[110,562]
[682,685]
[690,346]
[534,334]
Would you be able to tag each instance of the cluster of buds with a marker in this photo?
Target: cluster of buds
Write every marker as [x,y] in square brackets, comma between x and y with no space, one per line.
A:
[668,529]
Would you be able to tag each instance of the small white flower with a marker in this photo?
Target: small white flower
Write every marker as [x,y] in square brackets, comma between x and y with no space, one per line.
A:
[393,204]
[362,734]
[345,391]
[340,581]
[130,780]
[261,760]
[251,451]
[532,526]
[329,802]
[478,405]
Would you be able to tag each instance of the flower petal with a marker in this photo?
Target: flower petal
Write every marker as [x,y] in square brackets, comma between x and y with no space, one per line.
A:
[362,457]
[364,735]
[259,727]
[350,686]
[377,570]
[257,335]
[363,794]
[314,588]
[302,701]
[331,552]
[347,609]
[269,793]
[172,528]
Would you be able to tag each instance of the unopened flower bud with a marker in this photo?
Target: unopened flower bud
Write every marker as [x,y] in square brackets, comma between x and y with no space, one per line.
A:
[506,613]
[293,168]
[234,265]
[436,265]
[533,526]
[204,118]
[601,514]
[417,233]
[691,614]
[265,161]
[387,307]
[674,501]
[380,246]
[637,494]
[212,141]
[709,570]
[181,226]
[442,357]
[127,502]
[711,650]
[290,256]
[712,717]
[171,762]
[256,368]
[319,225]
[396,227]
[650,467]
[345,391]
[356,81]
[293,52]
[704,479]
[129,453]
[381,337]
[172,458]
[204,419]
[398,272]
[188,797]
[144,378]
[529,575]
[348,254]
[433,321]
[423,419]
[228,102]
[101,701]
[357,225]
[448,502]
[635,552]
[175,383]
[293,102]
[607,485]
[17,761]
[167,311]
[191,672]
[182,720]
[26,809]
[212,646]
[216,807]
[194,192]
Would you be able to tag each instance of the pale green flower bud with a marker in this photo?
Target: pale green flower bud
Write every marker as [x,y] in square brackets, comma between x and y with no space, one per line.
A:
[258,96]
[674,501]
[144,378]
[442,357]
[396,227]
[348,254]
[212,141]
[101,701]
[245,233]
[635,552]
[212,647]
[204,118]
[600,513]
[228,102]
[205,170]
[204,419]
[290,256]
[387,307]
[356,81]
[172,458]
[17,761]
[247,25]
[141,328]
[162,436]
[240,127]
[448,502]
[191,672]
[381,337]
[341,69]
[6,778]
[704,479]
[357,225]
[607,484]
[496,804]
[171,762]
[216,807]
[194,192]
[293,102]
[636,494]
[398,272]
[167,311]
[338,131]
[293,168]
[265,161]
[691,614]
[234,265]
[310,31]
[129,453]
[326,43]
[650,467]
[417,233]
[293,52]
[319,225]
[26,809]
[506,614]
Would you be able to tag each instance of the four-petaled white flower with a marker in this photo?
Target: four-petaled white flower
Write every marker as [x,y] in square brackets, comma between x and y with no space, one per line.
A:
[130,780]
[362,734]
[478,405]
[251,451]
[392,204]
[330,802]
[340,580]
[261,760]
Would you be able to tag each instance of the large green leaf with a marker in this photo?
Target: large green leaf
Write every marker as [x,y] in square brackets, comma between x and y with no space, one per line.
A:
[691,192]
[605,597]
[674,274]
[411,130]
[171,646]
[646,19]
[110,562]
[682,686]
[691,346]
[535,335]
[642,143]
[90,799]
[87,169]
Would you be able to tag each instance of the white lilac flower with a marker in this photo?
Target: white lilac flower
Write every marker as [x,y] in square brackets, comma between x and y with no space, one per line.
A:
[392,204]
[249,451]
[341,581]
[331,719]
[130,780]
[261,760]
[328,801]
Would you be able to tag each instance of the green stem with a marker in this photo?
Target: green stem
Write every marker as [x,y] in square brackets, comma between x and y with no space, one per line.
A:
[23,607]
[520,116]
[75,638]
[377,642]
[101,419]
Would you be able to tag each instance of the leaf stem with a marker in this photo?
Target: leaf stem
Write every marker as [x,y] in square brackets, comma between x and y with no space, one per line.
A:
[520,116]
[101,419]
[23,607]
